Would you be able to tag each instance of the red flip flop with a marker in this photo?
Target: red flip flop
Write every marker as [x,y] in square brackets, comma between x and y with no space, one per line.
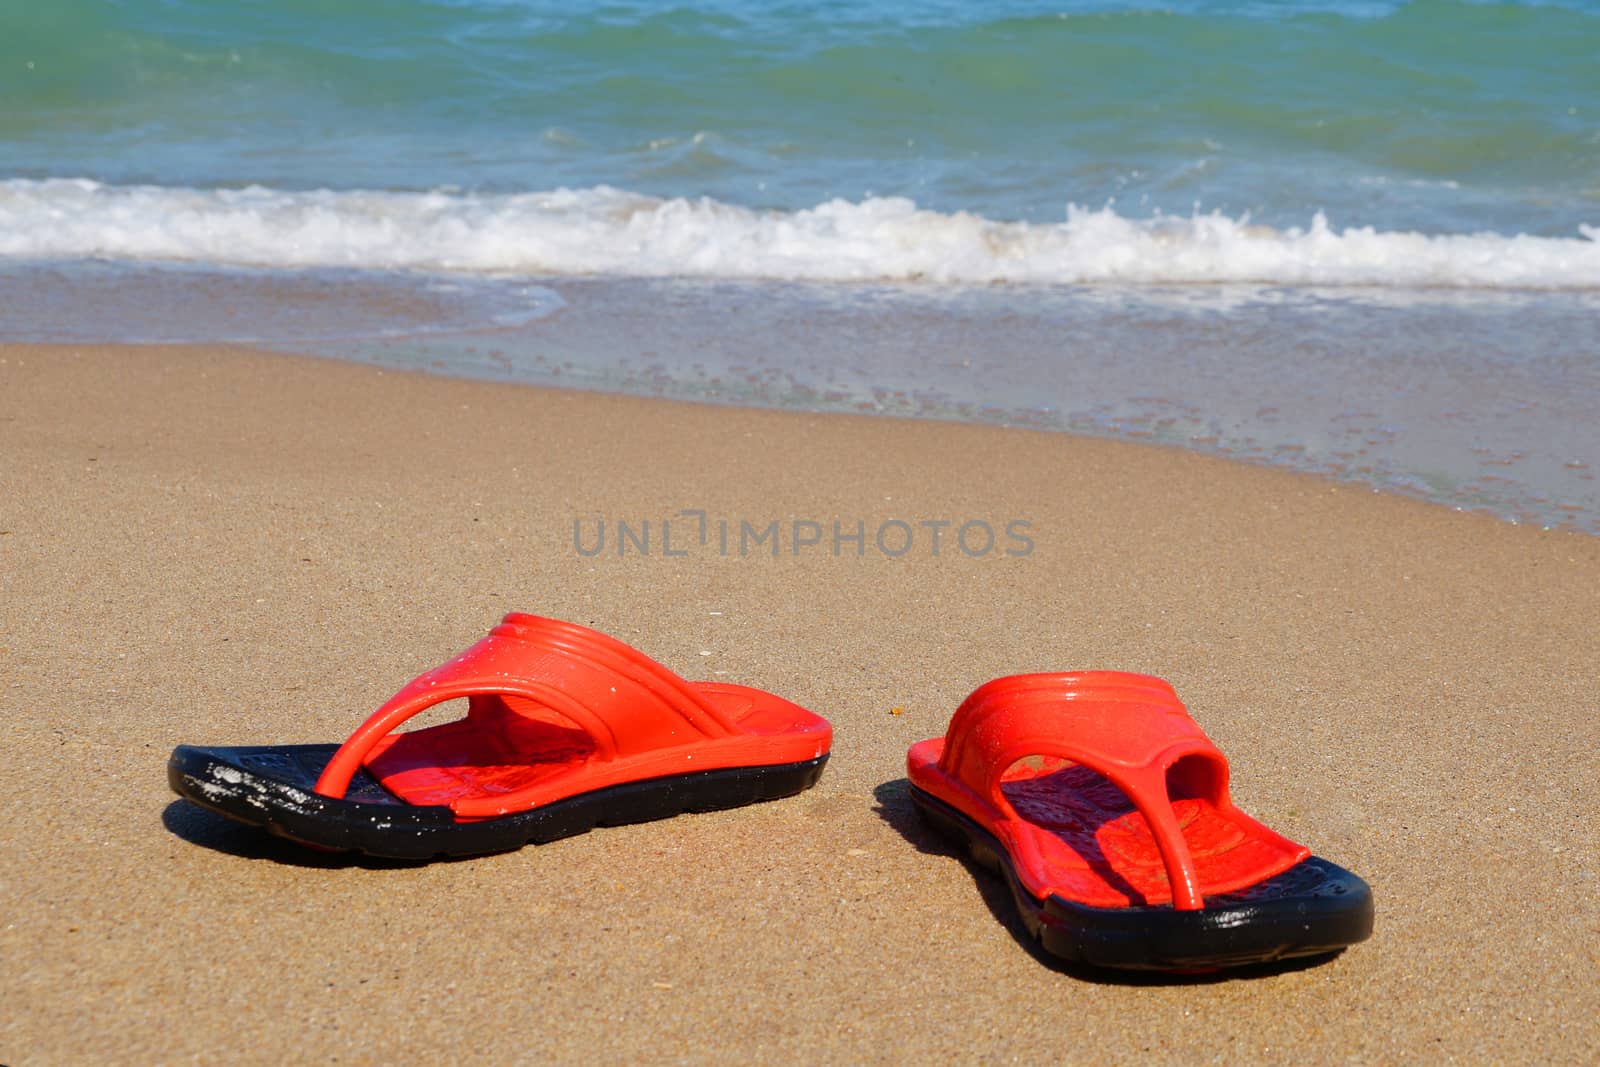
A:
[565,729]
[1106,808]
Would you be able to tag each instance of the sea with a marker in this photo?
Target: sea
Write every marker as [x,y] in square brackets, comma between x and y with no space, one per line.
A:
[1355,238]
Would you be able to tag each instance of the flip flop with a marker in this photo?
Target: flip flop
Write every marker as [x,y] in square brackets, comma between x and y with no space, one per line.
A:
[1106,808]
[566,729]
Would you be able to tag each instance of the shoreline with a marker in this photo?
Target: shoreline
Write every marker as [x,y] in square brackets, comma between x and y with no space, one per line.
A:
[208,545]
[1478,401]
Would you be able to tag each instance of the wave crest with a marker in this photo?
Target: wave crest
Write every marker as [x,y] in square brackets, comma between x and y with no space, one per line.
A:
[603,230]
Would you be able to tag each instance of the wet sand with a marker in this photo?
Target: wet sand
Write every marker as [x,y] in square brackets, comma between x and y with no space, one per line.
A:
[219,546]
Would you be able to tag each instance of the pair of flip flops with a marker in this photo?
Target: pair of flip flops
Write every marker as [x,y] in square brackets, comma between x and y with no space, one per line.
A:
[1094,793]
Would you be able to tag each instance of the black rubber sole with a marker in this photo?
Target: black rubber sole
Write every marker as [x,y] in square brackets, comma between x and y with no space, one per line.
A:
[272,787]
[1314,908]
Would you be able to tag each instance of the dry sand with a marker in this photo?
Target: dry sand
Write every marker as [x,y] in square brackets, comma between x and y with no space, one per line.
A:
[228,547]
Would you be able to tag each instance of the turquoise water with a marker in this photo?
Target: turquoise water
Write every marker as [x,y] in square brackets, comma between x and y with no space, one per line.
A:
[1436,116]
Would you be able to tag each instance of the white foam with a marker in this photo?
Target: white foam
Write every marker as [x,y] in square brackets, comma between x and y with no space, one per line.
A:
[610,231]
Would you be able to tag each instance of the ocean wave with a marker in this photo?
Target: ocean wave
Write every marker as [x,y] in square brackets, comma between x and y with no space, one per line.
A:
[609,231]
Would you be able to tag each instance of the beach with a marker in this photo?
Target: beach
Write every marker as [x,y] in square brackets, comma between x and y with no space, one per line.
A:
[224,546]
[858,354]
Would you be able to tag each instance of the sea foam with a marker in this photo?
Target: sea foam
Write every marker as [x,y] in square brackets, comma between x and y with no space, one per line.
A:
[608,231]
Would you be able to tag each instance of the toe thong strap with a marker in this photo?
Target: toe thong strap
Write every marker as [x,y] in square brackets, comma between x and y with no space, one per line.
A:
[1130,728]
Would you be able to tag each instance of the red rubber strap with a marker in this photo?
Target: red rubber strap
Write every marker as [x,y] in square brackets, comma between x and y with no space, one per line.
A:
[624,700]
[1130,728]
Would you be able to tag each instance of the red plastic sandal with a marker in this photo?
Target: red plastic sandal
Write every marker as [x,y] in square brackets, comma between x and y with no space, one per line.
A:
[566,729]
[1106,808]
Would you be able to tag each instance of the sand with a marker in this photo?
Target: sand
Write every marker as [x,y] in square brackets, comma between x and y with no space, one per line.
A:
[225,547]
